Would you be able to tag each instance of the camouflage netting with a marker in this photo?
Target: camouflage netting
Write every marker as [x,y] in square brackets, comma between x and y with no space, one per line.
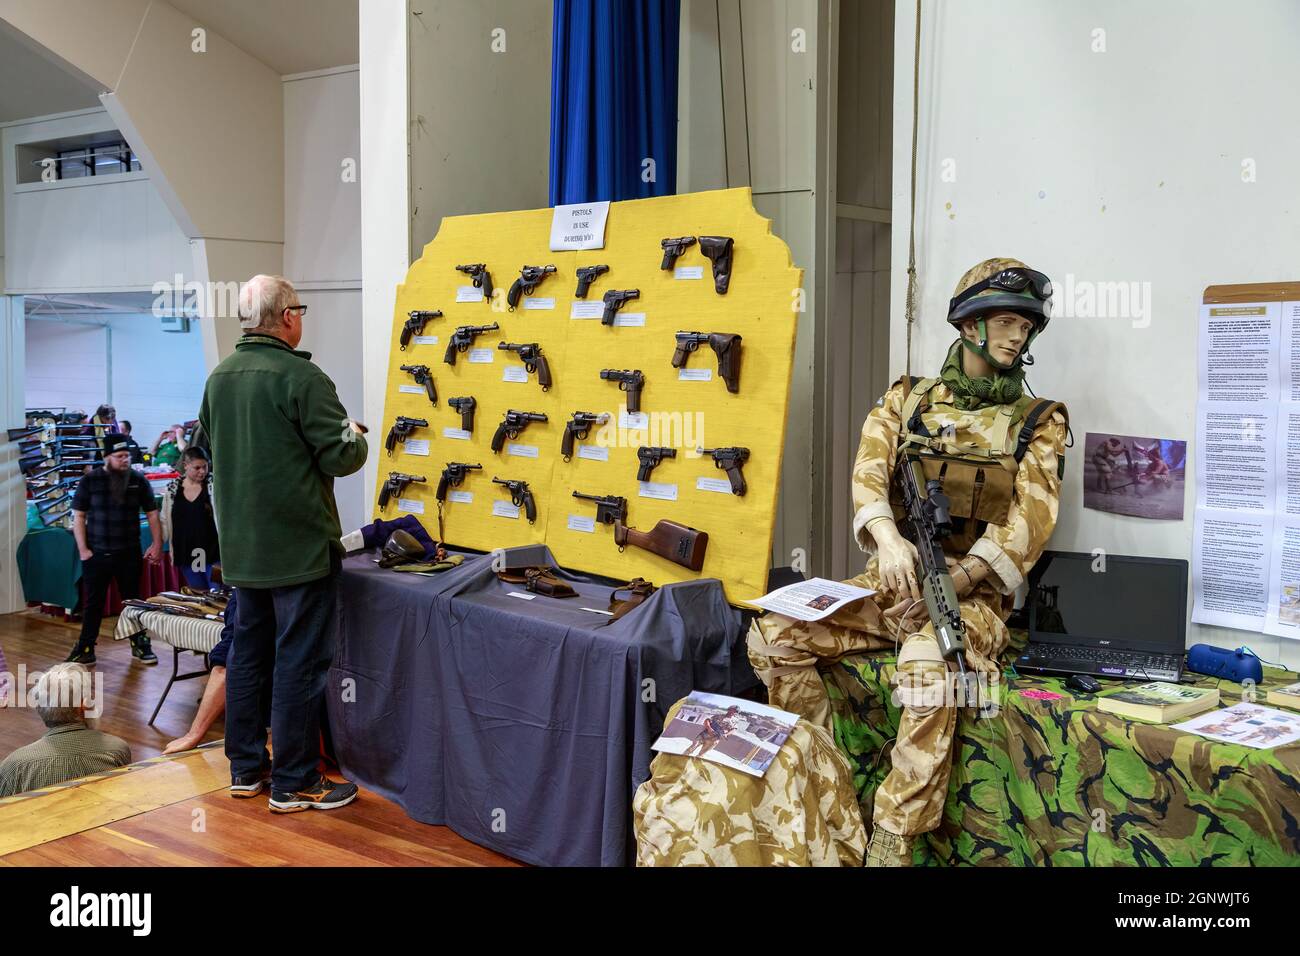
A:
[1055,783]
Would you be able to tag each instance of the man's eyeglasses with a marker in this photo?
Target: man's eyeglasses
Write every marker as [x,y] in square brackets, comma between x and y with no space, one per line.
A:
[300,309]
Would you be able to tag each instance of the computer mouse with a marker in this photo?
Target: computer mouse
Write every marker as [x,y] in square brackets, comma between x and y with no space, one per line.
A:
[1084,683]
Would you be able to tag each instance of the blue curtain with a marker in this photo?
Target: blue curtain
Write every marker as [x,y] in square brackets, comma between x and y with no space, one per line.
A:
[613,99]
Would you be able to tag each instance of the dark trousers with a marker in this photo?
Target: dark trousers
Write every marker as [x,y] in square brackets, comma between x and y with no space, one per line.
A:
[102,568]
[284,644]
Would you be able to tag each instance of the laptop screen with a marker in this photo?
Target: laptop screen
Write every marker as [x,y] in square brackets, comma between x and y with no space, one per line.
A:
[1134,602]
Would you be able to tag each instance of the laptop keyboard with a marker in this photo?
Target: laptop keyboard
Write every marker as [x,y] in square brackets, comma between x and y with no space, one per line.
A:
[1102,660]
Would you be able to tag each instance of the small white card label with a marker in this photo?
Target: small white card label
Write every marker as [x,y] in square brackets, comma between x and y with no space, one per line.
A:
[412,389]
[521,451]
[593,452]
[660,490]
[720,485]
[461,497]
[688,272]
[416,446]
[410,505]
[522,596]
[695,375]
[625,320]
[538,304]
[586,310]
[504,509]
[425,339]
[596,610]
[633,421]
[482,356]
[469,293]
[579,226]
[457,433]
[581,523]
[514,373]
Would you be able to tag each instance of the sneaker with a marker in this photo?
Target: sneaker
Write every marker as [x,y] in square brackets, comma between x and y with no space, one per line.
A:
[324,794]
[81,654]
[142,650]
[241,788]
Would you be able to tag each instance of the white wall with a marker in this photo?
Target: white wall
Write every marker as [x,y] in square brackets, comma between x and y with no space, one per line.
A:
[93,235]
[157,376]
[1123,165]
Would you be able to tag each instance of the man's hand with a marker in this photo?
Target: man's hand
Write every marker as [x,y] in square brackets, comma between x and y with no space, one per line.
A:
[154,552]
[86,553]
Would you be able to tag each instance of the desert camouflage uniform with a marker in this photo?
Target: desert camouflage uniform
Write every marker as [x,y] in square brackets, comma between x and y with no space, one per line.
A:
[802,812]
[787,654]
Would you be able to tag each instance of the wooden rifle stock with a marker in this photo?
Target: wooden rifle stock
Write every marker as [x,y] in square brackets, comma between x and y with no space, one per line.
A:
[668,539]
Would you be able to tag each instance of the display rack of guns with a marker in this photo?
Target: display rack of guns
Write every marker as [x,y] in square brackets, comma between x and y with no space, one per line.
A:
[614,300]
[668,539]
[650,458]
[672,249]
[733,460]
[529,278]
[463,338]
[577,429]
[631,382]
[718,249]
[586,276]
[401,430]
[465,406]
[726,345]
[530,353]
[926,524]
[424,377]
[520,497]
[395,485]
[511,426]
[415,323]
[478,273]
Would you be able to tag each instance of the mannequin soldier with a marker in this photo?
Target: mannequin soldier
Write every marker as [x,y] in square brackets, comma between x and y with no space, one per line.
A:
[1002,471]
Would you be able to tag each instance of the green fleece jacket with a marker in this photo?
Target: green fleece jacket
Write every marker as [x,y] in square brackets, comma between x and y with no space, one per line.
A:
[279,437]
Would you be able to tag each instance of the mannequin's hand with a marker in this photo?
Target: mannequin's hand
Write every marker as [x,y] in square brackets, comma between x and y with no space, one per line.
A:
[896,559]
[961,579]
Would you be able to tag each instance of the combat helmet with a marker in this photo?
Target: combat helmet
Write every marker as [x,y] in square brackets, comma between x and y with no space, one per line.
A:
[1001,285]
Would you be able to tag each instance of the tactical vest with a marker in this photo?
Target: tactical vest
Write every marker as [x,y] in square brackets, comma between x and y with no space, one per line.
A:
[979,480]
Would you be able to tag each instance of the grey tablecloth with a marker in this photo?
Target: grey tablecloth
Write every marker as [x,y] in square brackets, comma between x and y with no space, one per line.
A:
[521,724]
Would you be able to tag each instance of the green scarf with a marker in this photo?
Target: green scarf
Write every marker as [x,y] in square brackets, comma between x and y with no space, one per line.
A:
[1003,388]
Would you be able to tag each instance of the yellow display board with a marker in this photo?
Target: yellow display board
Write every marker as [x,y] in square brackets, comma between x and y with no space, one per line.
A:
[685,413]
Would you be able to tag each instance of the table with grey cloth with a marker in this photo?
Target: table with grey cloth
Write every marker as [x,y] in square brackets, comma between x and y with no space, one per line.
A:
[523,725]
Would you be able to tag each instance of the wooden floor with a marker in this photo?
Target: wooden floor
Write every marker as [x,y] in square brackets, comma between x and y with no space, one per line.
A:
[176,812]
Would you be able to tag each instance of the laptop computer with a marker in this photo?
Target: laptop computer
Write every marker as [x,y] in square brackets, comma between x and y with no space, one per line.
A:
[1127,621]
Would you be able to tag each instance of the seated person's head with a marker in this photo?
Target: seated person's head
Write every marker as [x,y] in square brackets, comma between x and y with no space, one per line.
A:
[63,693]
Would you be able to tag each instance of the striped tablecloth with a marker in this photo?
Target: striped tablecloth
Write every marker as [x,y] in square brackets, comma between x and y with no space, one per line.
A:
[186,633]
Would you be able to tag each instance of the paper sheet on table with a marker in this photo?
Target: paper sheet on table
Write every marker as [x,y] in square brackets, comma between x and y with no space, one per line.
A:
[1247,724]
[810,600]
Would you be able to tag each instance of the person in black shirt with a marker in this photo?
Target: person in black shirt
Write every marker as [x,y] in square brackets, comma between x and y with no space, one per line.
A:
[137,453]
[106,523]
[189,526]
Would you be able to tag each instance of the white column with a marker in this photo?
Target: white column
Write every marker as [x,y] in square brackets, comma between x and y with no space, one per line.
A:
[13,496]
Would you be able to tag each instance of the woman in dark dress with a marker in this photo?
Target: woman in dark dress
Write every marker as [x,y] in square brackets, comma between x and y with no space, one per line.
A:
[189,525]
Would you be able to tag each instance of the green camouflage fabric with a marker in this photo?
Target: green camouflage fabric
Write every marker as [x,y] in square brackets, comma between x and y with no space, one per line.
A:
[802,812]
[1056,783]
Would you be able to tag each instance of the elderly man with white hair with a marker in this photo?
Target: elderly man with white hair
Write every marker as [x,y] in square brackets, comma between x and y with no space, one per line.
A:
[279,437]
[69,749]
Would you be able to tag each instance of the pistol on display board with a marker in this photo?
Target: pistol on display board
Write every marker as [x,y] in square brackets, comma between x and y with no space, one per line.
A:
[673,248]
[453,476]
[424,377]
[463,338]
[526,284]
[514,423]
[614,300]
[577,429]
[726,345]
[650,458]
[482,279]
[733,460]
[631,382]
[415,323]
[465,405]
[520,497]
[394,487]
[668,539]
[530,354]
[401,431]
[586,276]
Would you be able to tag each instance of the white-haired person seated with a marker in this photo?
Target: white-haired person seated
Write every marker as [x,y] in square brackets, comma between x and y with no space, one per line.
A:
[69,749]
